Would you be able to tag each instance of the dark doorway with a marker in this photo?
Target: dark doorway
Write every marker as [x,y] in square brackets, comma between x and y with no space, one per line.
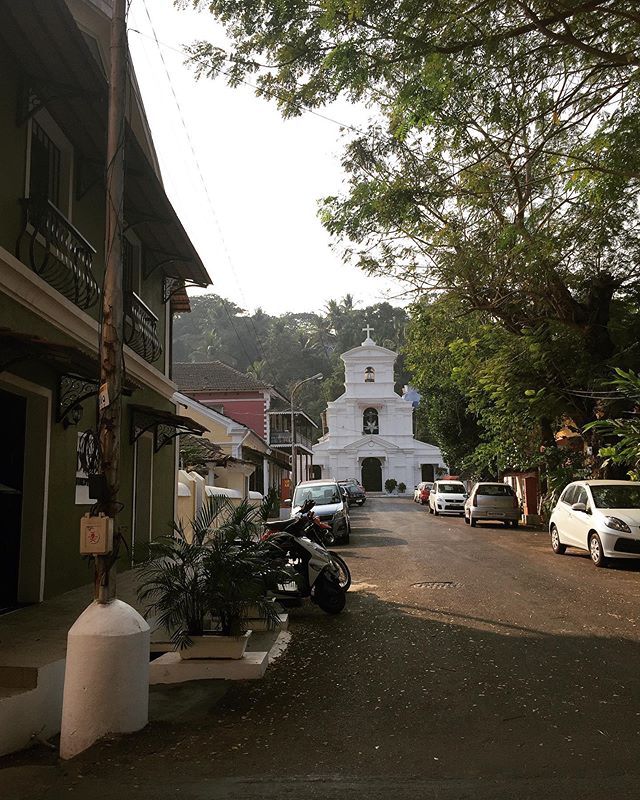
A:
[13,409]
[427,472]
[372,474]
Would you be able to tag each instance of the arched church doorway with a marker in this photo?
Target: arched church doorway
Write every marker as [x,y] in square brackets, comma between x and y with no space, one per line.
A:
[372,474]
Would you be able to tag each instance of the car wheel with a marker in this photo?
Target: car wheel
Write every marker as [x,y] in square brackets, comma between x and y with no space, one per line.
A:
[514,523]
[595,550]
[556,545]
[472,522]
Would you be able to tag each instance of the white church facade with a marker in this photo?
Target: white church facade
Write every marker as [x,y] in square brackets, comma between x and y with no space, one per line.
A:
[369,429]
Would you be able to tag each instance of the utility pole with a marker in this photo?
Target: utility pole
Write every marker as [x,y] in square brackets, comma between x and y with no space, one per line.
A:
[111,331]
[106,681]
[294,450]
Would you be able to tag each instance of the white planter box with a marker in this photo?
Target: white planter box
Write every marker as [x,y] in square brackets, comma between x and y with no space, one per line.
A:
[260,623]
[215,645]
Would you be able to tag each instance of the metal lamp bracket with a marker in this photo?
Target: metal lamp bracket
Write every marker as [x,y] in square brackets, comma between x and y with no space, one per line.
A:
[72,391]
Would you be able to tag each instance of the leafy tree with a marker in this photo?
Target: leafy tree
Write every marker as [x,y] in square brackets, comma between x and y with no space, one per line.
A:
[623,429]
[443,417]
[501,167]
[498,176]
[307,54]
[494,400]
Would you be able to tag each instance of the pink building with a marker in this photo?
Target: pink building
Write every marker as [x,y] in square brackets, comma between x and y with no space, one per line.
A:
[254,403]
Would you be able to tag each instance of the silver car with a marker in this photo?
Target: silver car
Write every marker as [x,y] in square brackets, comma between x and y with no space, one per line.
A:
[494,501]
[330,505]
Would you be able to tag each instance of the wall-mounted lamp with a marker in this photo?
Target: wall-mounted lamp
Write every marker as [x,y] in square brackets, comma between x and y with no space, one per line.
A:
[73,416]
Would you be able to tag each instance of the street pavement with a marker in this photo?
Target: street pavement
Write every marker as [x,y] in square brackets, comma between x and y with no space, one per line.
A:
[469,663]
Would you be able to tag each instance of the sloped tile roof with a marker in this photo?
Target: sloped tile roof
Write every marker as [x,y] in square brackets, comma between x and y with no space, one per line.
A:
[203,448]
[214,376]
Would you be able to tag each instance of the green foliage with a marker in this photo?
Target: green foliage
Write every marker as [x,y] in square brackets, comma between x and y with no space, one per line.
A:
[477,378]
[402,488]
[270,505]
[622,430]
[390,485]
[498,176]
[216,567]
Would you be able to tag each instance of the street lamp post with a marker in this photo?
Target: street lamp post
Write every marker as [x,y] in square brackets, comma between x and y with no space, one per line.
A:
[294,467]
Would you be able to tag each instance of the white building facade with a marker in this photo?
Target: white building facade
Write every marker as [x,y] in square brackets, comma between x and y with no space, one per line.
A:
[369,432]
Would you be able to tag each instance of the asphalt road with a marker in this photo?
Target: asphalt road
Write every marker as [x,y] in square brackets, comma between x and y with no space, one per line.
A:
[469,663]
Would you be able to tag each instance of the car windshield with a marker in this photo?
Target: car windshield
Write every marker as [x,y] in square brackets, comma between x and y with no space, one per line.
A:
[494,490]
[451,488]
[616,496]
[322,495]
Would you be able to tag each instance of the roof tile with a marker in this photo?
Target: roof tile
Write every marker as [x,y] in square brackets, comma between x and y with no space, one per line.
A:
[214,376]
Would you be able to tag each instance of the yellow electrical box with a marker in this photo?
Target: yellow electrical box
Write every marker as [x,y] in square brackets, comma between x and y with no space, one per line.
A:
[96,535]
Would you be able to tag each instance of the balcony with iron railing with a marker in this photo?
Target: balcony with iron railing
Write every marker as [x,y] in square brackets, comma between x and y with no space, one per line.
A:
[282,438]
[141,328]
[57,252]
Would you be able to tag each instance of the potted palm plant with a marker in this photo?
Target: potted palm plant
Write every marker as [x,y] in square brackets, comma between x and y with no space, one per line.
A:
[217,573]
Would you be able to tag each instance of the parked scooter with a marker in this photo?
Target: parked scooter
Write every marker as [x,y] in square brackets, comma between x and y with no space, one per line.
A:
[317,575]
[322,533]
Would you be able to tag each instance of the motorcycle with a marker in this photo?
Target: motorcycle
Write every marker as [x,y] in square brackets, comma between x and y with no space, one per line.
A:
[316,574]
[322,533]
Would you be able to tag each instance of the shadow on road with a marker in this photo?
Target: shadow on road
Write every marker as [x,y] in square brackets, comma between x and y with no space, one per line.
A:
[374,537]
[392,690]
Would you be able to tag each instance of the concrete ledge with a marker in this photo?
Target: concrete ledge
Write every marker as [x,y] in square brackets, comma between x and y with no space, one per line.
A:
[31,714]
[170,668]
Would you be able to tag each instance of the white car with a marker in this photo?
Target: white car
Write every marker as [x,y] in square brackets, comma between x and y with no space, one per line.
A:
[602,517]
[447,497]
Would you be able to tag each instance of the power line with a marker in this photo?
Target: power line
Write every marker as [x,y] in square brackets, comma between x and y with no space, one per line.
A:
[259,347]
[303,109]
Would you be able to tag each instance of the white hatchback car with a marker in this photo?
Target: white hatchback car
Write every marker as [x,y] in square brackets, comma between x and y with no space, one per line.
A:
[602,517]
[447,497]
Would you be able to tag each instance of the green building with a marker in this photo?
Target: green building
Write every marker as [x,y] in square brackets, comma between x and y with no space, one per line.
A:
[53,122]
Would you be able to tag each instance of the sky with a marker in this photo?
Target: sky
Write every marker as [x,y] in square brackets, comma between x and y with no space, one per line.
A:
[245,182]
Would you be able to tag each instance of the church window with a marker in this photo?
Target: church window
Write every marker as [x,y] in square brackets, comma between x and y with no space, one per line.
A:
[369,375]
[370,421]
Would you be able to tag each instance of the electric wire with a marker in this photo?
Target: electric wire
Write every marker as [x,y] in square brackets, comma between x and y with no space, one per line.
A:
[259,348]
[303,109]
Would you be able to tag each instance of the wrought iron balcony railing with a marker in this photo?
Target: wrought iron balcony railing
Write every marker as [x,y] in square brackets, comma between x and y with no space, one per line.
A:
[284,437]
[57,252]
[141,328]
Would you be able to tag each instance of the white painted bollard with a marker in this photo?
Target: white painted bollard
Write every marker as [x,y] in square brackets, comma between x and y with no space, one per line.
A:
[106,682]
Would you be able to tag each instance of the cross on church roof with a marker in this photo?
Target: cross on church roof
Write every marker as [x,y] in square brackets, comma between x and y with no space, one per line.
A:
[368,330]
